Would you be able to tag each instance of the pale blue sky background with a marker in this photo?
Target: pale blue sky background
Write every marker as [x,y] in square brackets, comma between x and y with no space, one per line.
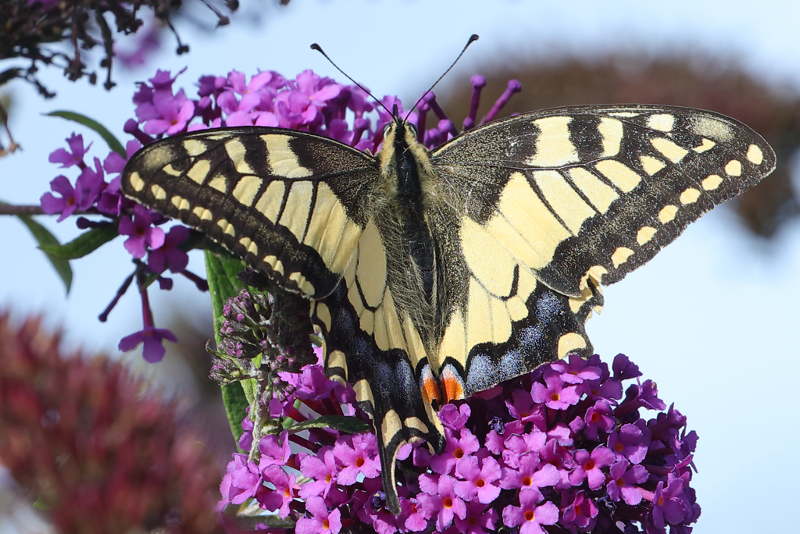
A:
[709,319]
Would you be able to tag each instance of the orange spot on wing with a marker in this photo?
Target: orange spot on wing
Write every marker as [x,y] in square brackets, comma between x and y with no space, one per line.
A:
[430,389]
[452,388]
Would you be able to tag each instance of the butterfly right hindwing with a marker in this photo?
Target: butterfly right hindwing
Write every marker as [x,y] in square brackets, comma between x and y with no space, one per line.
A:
[547,206]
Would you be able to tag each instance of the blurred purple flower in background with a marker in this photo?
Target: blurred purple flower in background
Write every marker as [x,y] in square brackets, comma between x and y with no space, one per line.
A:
[95,448]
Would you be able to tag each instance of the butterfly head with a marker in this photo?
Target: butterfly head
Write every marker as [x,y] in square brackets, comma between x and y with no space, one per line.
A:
[402,153]
[399,133]
[398,128]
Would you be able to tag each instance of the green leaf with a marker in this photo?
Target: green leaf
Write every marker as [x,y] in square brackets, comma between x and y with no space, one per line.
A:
[343,423]
[235,403]
[102,131]
[250,516]
[276,522]
[47,239]
[85,243]
[223,283]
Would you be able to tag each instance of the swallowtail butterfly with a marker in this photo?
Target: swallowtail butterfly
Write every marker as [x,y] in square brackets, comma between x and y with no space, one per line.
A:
[433,275]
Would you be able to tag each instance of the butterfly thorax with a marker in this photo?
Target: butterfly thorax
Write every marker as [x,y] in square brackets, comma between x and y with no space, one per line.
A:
[401,213]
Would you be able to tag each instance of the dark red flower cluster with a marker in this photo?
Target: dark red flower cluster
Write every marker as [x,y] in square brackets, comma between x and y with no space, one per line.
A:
[98,456]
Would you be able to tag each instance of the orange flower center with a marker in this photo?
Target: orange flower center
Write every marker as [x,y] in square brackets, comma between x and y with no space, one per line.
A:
[359,461]
[480,483]
[447,502]
[458,453]
[529,515]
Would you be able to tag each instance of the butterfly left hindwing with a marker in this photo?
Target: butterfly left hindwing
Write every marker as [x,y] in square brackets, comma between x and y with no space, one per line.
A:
[298,207]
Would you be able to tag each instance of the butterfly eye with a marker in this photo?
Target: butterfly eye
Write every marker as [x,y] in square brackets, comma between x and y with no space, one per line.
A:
[386,128]
[412,128]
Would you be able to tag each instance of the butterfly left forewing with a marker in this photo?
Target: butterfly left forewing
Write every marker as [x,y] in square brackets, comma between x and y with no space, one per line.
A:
[292,205]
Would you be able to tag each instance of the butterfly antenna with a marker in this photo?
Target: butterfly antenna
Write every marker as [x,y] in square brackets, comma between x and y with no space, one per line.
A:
[318,48]
[472,39]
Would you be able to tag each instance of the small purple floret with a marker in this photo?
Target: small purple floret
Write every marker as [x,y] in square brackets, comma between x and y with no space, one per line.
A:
[241,481]
[152,340]
[72,156]
[531,513]
[143,236]
[553,394]
[170,255]
[322,521]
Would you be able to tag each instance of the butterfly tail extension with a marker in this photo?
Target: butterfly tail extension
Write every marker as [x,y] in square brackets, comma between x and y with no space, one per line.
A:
[385,383]
[393,401]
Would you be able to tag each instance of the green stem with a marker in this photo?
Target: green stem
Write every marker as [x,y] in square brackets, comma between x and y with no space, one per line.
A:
[32,209]
[257,416]
[23,209]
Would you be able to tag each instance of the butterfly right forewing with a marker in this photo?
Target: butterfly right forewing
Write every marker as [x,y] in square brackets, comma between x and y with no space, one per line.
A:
[595,191]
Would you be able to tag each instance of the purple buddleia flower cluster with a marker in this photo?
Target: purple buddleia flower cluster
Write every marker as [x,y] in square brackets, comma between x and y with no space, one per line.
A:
[68,34]
[568,448]
[308,102]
